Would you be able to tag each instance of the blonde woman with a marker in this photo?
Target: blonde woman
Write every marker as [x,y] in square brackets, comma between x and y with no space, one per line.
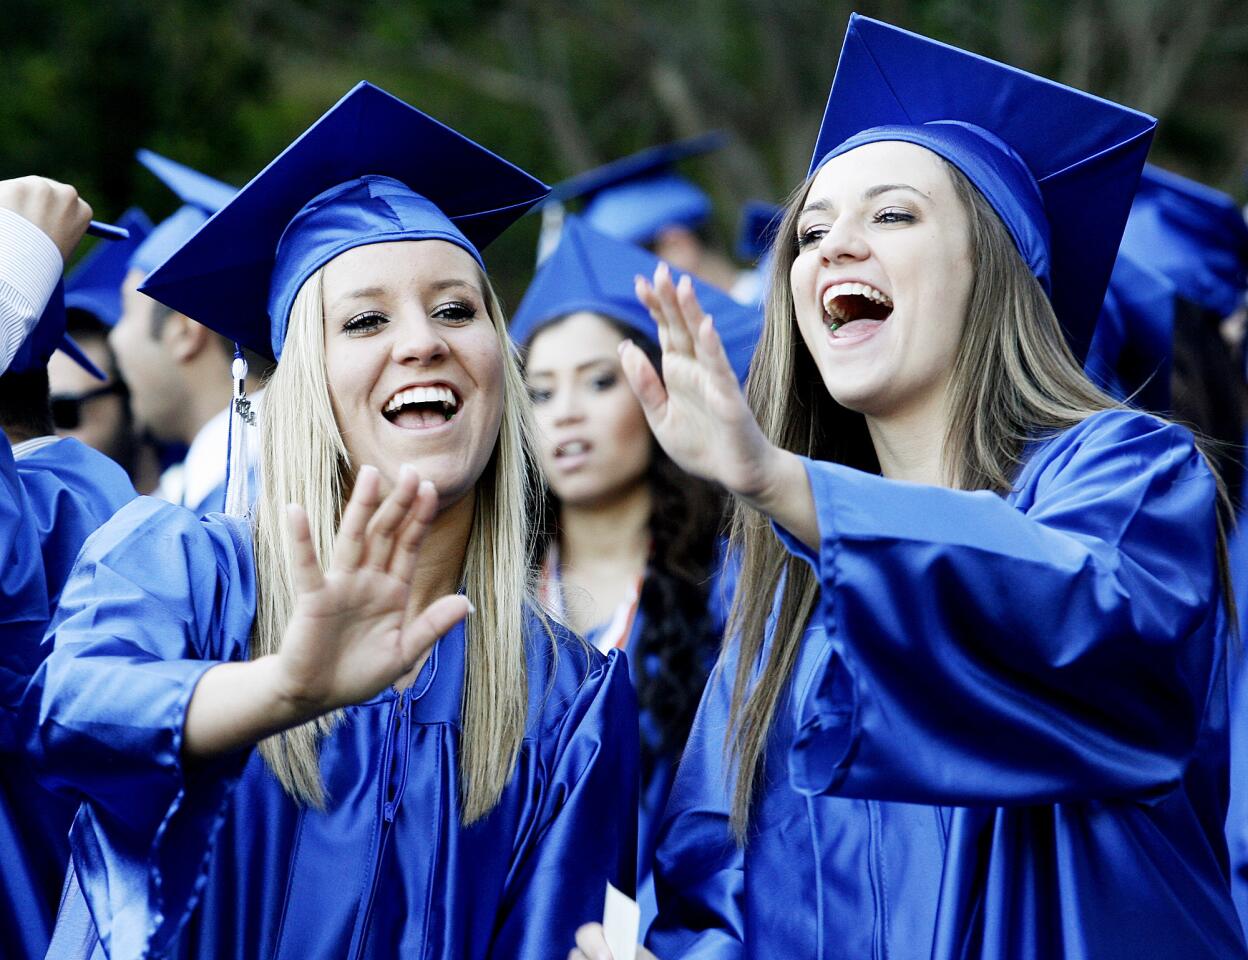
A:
[975,698]
[425,769]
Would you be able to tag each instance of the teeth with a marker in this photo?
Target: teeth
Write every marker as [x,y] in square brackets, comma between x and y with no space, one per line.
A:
[852,289]
[573,447]
[442,395]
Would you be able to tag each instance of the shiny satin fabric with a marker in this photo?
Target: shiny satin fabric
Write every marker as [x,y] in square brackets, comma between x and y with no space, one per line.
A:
[656,782]
[1237,815]
[1005,736]
[217,861]
[69,490]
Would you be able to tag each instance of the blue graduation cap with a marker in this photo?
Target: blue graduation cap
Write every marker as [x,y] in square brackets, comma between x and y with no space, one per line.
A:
[592,272]
[1133,345]
[201,197]
[48,336]
[757,232]
[1193,234]
[372,169]
[1059,166]
[94,285]
[635,197]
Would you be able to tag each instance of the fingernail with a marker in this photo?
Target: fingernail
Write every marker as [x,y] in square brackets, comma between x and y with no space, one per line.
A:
[406,471]
[426,486]
[471,608]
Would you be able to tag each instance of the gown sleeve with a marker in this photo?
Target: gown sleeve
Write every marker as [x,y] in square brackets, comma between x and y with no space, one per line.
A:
[30,267]
[154,601]
[1060,647]
[584,833]
[698,867]
[24,605]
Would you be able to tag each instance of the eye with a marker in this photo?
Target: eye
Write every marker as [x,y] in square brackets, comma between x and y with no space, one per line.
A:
[810,237]
[538,395]
[455,312]
[604,381]
[365,323]
[894,215]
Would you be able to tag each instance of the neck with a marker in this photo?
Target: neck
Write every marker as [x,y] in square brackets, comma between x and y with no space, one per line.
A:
[910,445]
[212,392]
[440,562]
[611,532]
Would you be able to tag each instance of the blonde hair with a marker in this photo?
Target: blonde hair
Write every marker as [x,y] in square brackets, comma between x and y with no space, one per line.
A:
[1014,378]
[304,460]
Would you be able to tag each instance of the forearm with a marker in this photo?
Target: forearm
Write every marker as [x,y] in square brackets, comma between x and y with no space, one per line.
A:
[236,705]
[786,498]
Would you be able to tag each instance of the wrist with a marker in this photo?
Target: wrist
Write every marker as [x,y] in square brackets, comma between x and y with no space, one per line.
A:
[291,704]
[778,470]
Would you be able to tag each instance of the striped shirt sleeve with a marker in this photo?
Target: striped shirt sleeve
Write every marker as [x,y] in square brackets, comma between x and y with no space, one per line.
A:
[30,266]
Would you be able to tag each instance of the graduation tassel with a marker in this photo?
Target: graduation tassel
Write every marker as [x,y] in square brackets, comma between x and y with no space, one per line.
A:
[238,465]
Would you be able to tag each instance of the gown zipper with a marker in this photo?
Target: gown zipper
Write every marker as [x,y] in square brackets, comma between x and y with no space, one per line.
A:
[398,737]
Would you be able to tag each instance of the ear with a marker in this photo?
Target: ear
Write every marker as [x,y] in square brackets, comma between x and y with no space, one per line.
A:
[184,338]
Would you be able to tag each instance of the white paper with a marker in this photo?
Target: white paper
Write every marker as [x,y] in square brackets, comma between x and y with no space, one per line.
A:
[621,921]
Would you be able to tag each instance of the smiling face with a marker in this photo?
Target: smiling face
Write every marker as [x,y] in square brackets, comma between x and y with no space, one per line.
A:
[882,277]
[595,443]
[414,361]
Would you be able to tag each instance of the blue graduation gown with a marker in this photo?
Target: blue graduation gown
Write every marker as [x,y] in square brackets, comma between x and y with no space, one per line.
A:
[1005,736]
[656,783]
[215,860]
[69,490]
[1237,817]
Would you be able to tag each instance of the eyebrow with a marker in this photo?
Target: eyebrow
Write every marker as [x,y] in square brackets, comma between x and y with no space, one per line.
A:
[592,362]
[366,293]
[822,206]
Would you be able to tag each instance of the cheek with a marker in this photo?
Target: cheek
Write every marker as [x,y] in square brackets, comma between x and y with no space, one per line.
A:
[626,430]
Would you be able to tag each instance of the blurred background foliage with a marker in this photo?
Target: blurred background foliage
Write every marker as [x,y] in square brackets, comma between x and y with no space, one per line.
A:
[561,86]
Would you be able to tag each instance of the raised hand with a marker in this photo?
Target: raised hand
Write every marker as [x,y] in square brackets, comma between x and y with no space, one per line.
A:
[354,630]
[697,411]
[55,208]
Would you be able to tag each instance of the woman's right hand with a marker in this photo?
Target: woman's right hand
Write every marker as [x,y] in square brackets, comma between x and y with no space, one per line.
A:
[354,631]
[591,944]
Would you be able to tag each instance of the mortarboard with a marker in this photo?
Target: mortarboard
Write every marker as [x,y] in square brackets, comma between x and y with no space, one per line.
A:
[1193,234]
[201,197]
[757,232]
[48,336]
[1133,346]
[635,197]
[589,271]
[1059,166]
[372,169]
[94,285]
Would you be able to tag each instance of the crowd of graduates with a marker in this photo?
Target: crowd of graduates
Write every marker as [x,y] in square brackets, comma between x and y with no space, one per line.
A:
[876,593]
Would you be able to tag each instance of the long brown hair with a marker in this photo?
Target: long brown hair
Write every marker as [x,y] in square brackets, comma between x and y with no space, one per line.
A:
[1014,378]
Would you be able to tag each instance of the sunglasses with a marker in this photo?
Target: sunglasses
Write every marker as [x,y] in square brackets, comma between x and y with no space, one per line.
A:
[67,407]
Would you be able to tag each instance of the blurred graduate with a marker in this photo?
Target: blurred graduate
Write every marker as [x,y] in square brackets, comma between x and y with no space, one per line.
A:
[56,492]
[433,776]
[178,370]
[975,699]
[631,550]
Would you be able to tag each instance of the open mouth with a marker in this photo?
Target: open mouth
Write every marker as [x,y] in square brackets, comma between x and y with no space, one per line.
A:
[845,304]
[416,408]
[573,448]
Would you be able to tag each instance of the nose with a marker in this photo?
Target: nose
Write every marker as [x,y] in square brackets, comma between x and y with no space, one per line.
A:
[419,341]
[843,243]
[565,407]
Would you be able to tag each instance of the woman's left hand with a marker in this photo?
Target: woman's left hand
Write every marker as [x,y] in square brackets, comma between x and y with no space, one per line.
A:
[696,411]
